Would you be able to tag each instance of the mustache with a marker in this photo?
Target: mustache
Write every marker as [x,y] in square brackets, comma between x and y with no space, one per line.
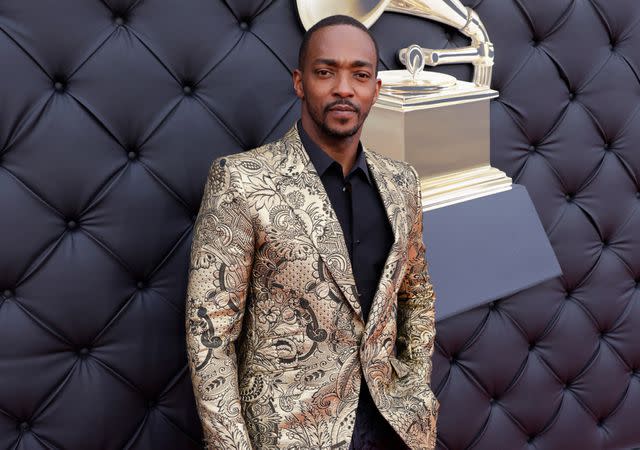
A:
[343,101]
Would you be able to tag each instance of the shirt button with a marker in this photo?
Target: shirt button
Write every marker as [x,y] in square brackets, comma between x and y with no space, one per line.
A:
[357,241]
[344,189]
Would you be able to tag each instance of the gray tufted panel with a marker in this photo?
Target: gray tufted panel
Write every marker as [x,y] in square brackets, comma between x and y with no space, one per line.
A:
[111,112]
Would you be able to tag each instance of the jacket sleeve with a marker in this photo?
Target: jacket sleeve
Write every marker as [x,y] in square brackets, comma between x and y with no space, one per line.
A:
[219,272]
[416,313]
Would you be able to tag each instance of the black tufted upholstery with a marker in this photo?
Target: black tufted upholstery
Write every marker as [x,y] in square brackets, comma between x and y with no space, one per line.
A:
[111,113]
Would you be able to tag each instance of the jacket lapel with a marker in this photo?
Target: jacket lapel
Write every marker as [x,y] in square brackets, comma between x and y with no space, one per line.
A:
[388,182]
[392,196]
[323,228]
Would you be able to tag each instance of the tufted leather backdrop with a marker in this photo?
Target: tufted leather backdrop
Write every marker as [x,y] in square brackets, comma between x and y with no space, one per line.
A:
[111,112]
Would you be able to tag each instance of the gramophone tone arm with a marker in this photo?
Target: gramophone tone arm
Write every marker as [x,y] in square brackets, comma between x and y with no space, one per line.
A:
[481,57]
[444,56]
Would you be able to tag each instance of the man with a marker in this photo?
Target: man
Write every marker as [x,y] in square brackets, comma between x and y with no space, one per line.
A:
[310,320]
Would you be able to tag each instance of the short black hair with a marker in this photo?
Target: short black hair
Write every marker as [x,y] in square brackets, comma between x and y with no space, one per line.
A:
[329,22]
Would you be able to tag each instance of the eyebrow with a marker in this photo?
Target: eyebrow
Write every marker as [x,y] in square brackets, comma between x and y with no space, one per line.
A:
[334,63]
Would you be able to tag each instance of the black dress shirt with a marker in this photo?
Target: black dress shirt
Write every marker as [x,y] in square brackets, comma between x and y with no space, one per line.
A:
[368,236]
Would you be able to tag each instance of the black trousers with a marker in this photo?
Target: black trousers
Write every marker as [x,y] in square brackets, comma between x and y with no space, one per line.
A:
[372,431]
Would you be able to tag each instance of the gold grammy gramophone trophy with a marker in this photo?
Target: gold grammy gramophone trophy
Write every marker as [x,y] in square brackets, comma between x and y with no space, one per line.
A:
[435,122]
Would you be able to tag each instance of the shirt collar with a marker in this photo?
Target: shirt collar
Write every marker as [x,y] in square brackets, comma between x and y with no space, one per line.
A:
[322,161]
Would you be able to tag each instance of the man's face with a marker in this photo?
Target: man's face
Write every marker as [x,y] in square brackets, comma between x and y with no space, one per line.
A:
[337,84]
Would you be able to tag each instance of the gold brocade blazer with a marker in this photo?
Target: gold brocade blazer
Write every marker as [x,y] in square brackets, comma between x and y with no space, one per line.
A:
[275,335]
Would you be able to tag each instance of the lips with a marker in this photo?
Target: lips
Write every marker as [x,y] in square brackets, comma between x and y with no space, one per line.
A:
[342,108]
[342,112]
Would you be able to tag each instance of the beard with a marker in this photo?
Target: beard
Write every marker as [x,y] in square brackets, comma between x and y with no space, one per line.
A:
[320,119]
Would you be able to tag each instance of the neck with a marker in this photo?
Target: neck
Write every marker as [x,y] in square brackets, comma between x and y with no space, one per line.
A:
[342,150]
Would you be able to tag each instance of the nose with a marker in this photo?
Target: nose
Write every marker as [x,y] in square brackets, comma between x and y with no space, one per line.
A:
[343,86]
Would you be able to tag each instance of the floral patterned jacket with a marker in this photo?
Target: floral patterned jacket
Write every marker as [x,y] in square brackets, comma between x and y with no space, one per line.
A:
[275,335]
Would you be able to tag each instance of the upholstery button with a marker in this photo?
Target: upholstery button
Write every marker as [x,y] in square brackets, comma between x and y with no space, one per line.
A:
[532,345]
[572,95]
[244,25]
[532,148]
[84,351]
[140,284]
[151,404]
[535,42]
[530,440]
[638,194]
[568,197]
[492,400]
[607,146]
[58,86]
[119,21]
[24,426]
[71,224]
[187,90]
[132,155]
[7,293]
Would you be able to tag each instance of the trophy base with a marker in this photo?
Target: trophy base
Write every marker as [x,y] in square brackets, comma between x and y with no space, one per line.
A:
[445,190]
[442,129]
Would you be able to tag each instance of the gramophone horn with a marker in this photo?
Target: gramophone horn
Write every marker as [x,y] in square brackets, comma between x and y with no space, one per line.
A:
[366,11]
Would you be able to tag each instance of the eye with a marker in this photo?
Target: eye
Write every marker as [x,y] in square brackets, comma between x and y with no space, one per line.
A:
[362,75]
[323,72]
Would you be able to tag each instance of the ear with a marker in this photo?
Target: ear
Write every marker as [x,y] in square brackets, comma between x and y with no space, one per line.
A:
[297,83]
[378,86]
